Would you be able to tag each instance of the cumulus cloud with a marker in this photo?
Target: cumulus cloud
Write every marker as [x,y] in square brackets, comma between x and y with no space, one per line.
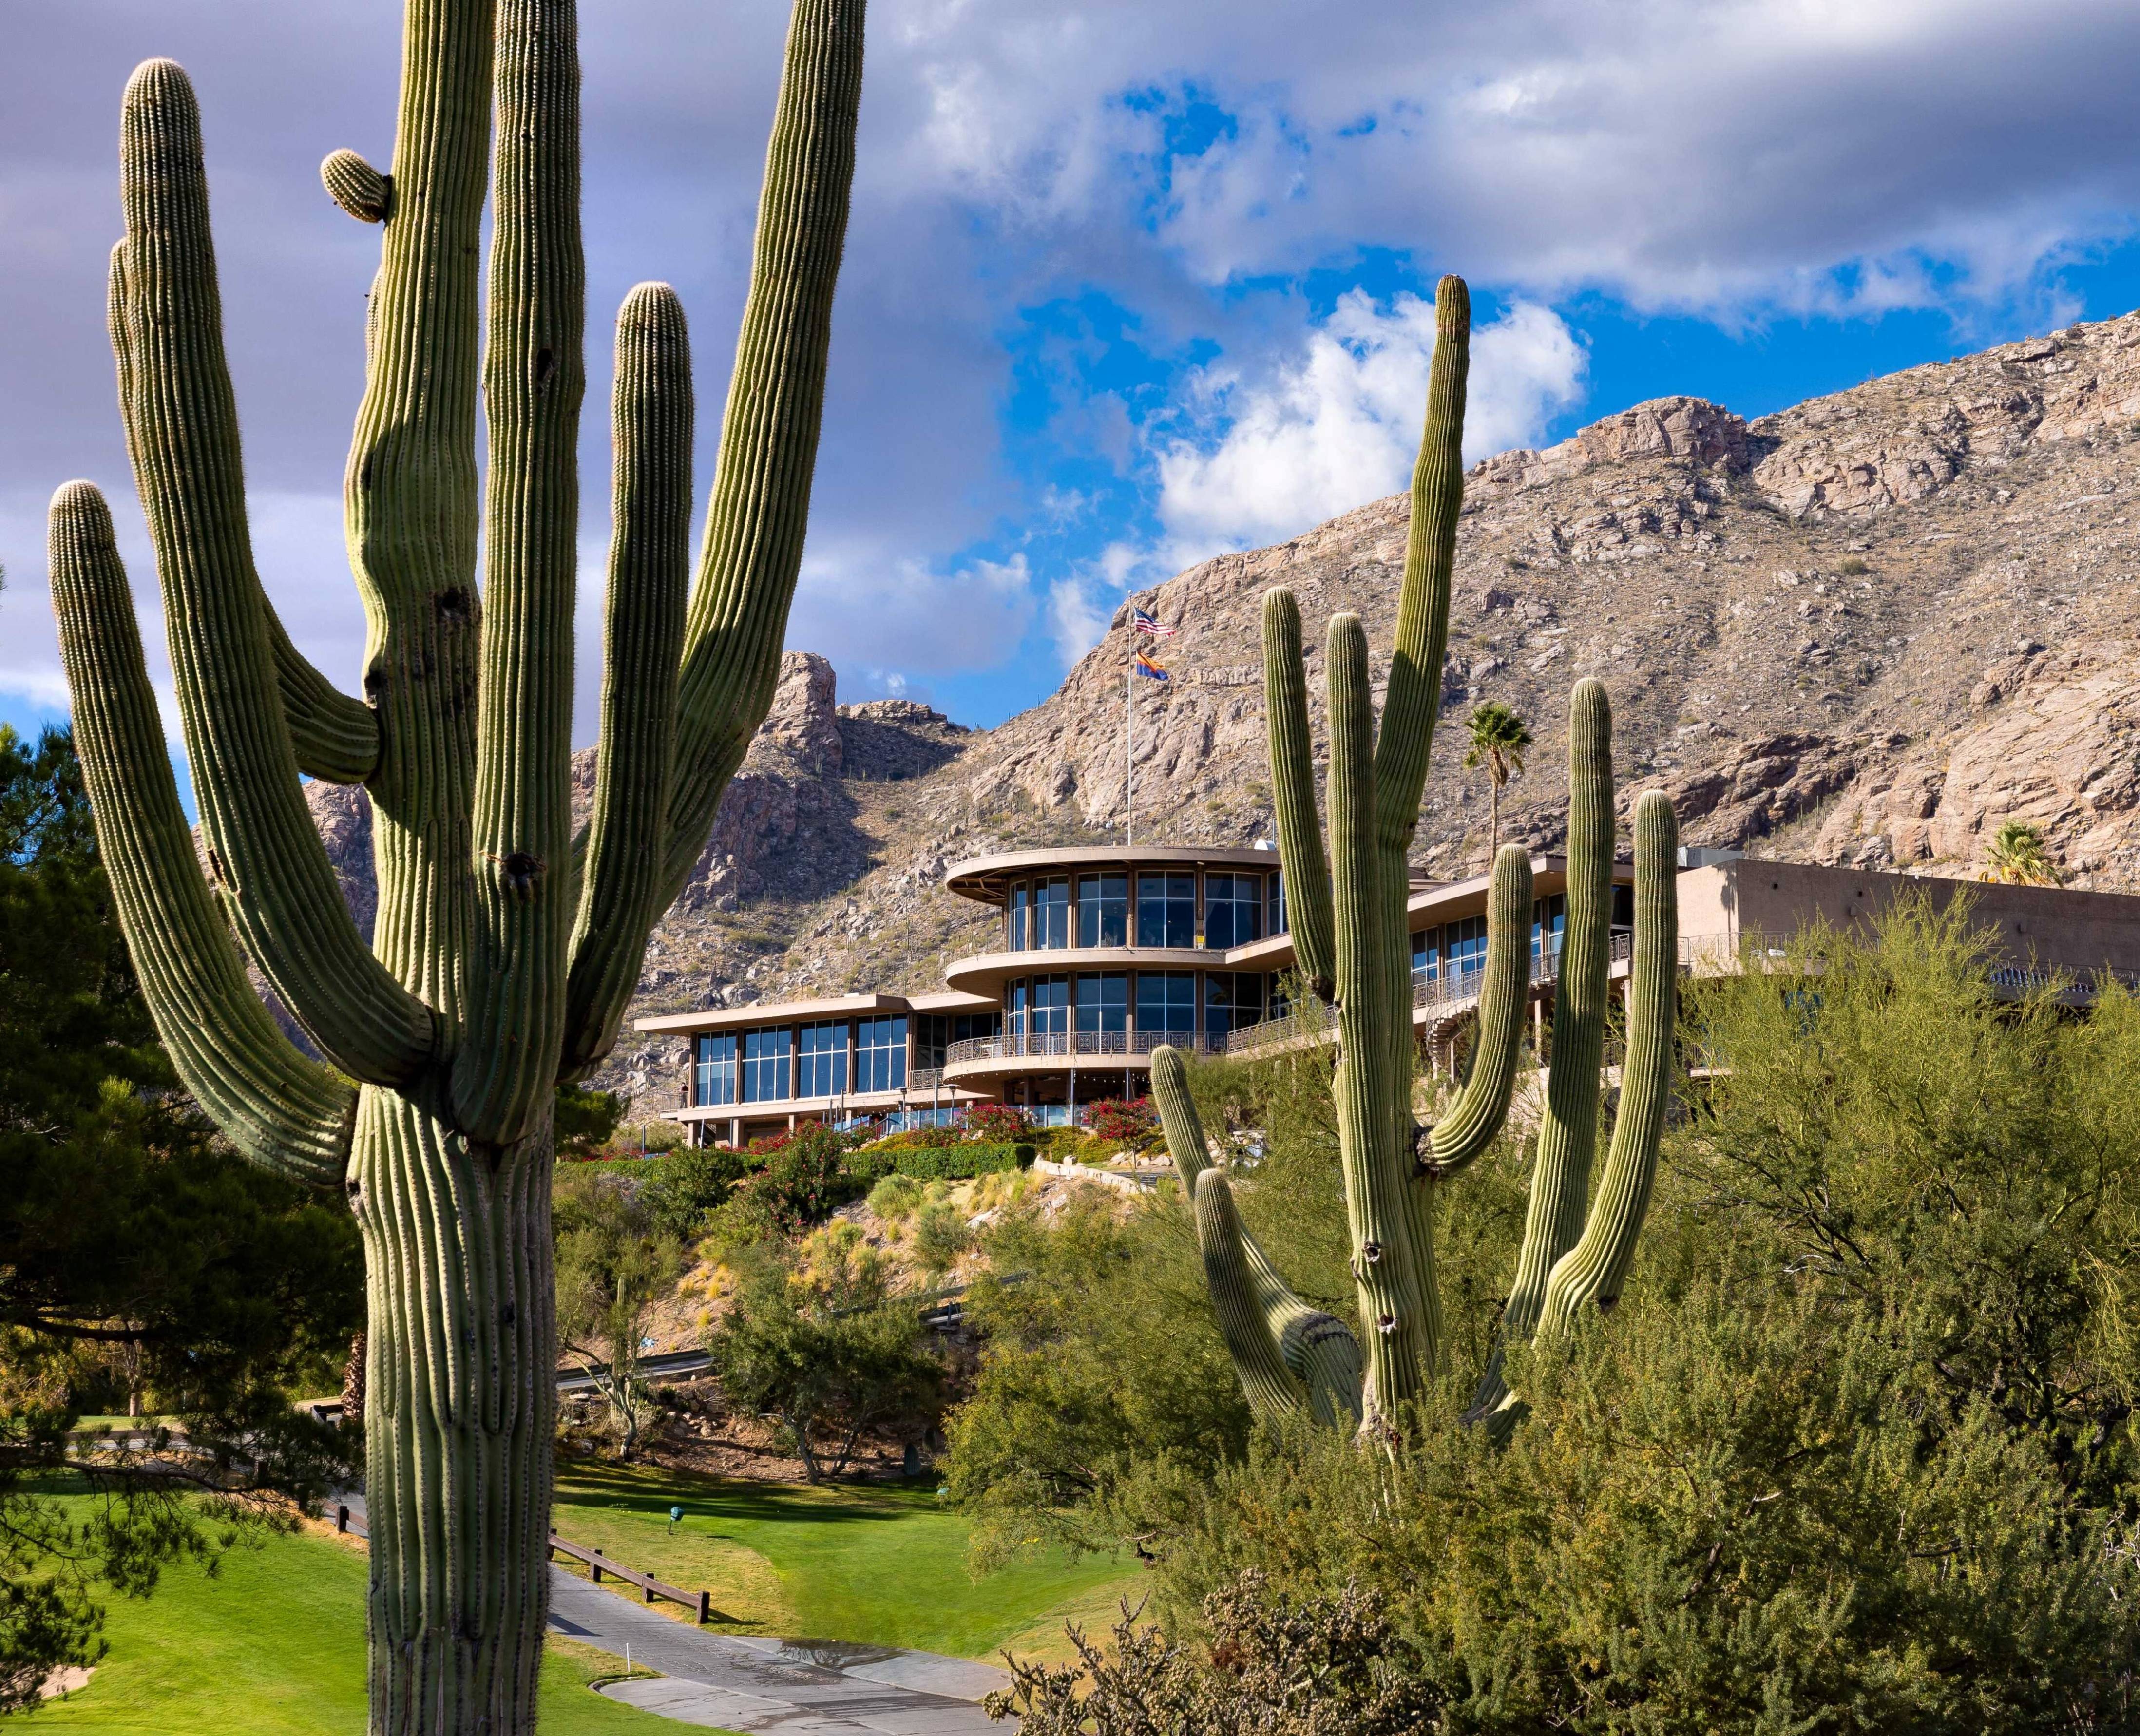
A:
[1340,425]
[1732,158]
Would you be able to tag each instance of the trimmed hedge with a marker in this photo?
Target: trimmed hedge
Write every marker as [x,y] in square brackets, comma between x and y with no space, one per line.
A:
[942,1163]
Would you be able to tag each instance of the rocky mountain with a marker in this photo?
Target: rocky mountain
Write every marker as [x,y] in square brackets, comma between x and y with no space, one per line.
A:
[1867,629]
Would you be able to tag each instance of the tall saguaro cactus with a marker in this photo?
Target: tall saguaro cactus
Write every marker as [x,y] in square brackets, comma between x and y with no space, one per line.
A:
[505,949]
[1348,911]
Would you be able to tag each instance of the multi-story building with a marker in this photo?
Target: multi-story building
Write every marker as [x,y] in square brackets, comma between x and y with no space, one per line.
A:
[1101,955]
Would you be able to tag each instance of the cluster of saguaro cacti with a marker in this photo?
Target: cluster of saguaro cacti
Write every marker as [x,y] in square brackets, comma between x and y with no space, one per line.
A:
[1348,909]
[505,947]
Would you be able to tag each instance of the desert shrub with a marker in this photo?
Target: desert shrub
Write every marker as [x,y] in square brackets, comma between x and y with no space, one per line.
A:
[1853,1453]
[683,1187]
[585,1121]
[820,1346]
[1102,1350]
[805,1180]
[896,1199]
[940,1235]
[1273,1666]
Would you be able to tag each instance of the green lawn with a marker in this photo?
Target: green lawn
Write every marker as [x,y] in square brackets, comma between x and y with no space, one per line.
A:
[273,1645]
[885,1566]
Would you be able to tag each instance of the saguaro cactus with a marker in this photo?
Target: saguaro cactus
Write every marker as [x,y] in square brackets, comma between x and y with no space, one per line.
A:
[505,948]
[1352,945]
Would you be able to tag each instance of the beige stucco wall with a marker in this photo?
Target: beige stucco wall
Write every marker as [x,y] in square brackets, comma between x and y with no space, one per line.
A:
[2047,925]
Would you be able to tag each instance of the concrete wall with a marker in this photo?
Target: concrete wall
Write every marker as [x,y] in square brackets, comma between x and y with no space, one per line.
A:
[2047,925]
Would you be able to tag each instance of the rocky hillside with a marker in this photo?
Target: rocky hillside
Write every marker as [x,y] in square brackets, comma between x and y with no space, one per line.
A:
[1867,629]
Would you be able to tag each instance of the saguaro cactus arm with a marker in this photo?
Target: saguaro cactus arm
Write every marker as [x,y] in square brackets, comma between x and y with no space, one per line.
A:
[1272,1392]
[1474,1121]
[649,570]
[534,379]
[1594,1270]
[761,501]
[1321,1357]
[335,737]
[1293,793]
[285,1112]
[271,866]
[1413,698]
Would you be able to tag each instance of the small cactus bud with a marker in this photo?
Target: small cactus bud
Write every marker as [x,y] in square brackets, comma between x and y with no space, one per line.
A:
[358,188]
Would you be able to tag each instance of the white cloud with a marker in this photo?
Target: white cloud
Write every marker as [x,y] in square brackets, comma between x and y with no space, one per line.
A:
[892,617]
[1339,425]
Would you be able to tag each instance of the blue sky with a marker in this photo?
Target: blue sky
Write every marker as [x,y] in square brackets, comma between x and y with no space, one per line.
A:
[1126,285]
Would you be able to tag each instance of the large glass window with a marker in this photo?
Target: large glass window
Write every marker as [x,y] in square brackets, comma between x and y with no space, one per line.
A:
[880,1053]
[1103,1000]
[1623,909]
[820,1060]
[1167,909]
[1015,1003]
[713,1068]
[1233,909]
[1274,922]
[1231,1000]
[1548,926]
[1167,1002]
[1463,952]
[1016,919]
[1051,914]
[1426,955]
[765,1065]
[1103,910]
[1048,1013]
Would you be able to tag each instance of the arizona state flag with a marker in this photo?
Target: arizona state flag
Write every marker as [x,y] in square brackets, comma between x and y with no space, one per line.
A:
[1147,665]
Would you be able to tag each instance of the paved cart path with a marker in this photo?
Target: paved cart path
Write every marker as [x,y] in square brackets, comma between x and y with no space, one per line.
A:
[795,1687]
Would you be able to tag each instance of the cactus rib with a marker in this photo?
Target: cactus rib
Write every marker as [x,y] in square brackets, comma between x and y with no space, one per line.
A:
[1474,1121]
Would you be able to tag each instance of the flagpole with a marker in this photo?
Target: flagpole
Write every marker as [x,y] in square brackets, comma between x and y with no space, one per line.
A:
[1129,747]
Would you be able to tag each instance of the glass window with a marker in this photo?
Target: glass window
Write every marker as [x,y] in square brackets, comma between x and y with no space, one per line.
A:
[820,1060]
[1051,915]
[1464,951]
[932,1037]
[1015,1003]
[1274,922]
[1048,1013]
[1103,1000]
[1016,919]
[765,1065]
[1231,1000]
[1233,909]
[880,1053]
[1103,910]
[1623,909]
[714,1069]
[1167,909]
[1549,925]
[1426,955]
[1167,1002]
[965,1026]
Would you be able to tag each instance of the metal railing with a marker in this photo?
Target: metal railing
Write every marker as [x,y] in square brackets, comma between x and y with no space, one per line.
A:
[1077,1045]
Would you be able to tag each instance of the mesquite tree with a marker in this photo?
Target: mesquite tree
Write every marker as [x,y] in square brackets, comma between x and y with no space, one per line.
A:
[505,948]
[1349,916]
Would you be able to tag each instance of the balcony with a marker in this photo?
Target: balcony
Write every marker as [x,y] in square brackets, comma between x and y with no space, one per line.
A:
[1053,1049]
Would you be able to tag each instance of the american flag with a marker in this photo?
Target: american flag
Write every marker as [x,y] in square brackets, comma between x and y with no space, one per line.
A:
[1147,665]
[1144,621]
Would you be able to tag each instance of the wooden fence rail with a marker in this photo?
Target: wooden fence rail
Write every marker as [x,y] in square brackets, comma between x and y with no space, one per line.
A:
[699,1603]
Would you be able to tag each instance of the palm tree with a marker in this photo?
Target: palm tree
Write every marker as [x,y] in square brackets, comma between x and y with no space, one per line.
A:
[2017,857]
[1500,739]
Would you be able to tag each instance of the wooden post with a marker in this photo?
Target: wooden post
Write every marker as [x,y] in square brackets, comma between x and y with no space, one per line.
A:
[595,1568]
[705,1607]
[342,1517]
[650,1594]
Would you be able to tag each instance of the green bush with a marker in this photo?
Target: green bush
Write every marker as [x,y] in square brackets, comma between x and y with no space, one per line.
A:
[940,1235]
[894,1197]
[684,1188]
[959,1162]
[1854,1454]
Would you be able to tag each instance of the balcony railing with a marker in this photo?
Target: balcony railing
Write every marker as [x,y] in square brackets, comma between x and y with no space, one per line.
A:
[1068,1045]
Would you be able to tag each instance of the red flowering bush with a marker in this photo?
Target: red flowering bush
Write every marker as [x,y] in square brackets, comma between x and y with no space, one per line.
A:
[1129,1123]
[996,1122]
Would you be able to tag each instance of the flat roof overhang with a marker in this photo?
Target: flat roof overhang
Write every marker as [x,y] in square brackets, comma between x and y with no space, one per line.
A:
[986,878]
[786,1013]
